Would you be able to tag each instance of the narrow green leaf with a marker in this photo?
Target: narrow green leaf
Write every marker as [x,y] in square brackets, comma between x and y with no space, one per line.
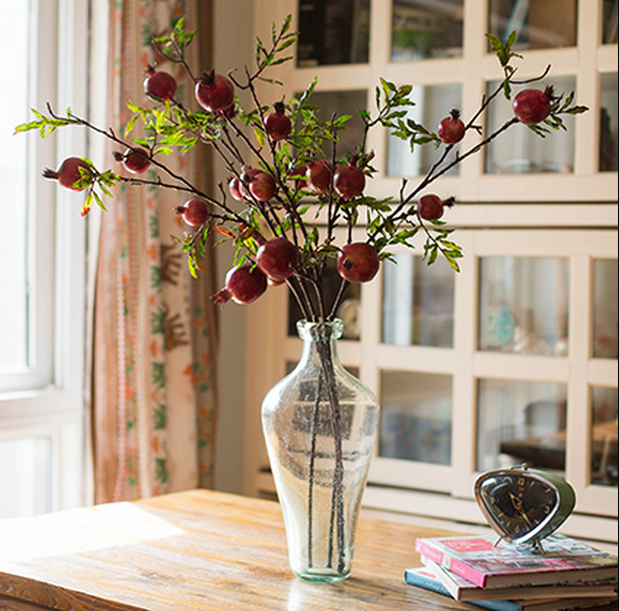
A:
[286,24]
[452,263]
[87,204]
[130,125]
[511,39]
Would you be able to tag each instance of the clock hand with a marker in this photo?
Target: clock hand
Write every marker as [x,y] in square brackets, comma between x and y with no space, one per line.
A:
[517,503]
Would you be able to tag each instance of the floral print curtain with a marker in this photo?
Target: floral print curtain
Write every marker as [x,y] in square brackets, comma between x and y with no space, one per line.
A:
[153,395]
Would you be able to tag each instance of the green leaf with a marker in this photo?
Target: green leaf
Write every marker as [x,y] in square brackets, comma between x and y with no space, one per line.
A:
[87,204]
[192,264]
[452,263]
[135,108]
[285,44]
[98,200]
[576,110]
[286,24]
[130,125]
[260,135]
[308,92]
[511,39]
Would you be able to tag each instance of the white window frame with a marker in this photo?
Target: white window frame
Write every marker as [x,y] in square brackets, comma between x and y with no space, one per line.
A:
[47,400]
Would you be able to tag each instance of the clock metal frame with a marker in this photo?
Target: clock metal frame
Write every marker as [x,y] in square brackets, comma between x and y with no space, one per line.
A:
[565,500]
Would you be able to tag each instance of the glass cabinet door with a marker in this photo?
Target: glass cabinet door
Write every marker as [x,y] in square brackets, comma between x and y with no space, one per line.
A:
[605,344]
[524,305]
[521,422]
[604,436]
[418,302]
[538,25]
[415,417]
[609,117]
[333,32]
[425,30]
[609,21]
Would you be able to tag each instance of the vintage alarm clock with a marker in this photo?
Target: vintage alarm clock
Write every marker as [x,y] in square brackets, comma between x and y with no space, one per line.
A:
[522,504]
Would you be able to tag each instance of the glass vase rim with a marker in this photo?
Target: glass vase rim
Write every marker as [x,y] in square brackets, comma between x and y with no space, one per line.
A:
[323,329]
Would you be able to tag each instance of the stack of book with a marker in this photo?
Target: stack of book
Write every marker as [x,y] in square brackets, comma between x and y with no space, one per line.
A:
[566,574]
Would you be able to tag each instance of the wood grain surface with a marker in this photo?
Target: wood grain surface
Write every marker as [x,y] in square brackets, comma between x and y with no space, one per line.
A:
[195,550]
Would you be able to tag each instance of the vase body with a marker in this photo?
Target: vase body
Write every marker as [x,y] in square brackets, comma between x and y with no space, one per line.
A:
[320,425]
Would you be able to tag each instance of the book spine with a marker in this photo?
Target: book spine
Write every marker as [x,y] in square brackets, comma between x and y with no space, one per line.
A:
[431,583]
[417,578]
[498,605]
[452,564]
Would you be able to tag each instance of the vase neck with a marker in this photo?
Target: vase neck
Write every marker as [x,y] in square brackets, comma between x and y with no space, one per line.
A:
[318,337]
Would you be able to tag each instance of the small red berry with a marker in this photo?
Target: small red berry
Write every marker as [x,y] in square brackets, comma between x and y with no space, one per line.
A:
[532,106]
[277,124]
[74,174]
[134,160]
[160,86]
[277,258]
[349,181]
[451,129]
[214,92]
[358,262]
[195,212]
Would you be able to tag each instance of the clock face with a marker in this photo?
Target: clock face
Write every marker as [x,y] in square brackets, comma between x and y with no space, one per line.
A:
[523,505]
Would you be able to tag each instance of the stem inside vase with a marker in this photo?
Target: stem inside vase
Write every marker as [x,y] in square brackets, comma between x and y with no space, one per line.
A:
[323,346]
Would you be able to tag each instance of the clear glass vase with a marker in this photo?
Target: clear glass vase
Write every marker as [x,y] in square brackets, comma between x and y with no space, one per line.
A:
[320,425]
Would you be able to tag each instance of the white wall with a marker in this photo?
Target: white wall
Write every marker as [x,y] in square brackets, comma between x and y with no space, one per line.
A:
[234,45]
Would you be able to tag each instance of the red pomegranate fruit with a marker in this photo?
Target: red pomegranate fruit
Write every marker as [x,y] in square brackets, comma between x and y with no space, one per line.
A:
[358,262]
[532,106]
[349,181]
[236,188]
[134,160]
[277,258]
[431,207]
[319,176]
[160,86]
[262,186]
[214,92]
[277,124]
[194,212]
[74,174]
[451,129]
[243,285]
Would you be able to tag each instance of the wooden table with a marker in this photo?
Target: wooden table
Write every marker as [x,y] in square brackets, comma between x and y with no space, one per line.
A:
[195,550]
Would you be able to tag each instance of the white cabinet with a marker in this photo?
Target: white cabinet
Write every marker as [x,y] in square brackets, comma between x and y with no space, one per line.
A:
[514,359]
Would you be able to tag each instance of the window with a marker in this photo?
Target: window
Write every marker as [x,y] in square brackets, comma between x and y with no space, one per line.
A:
[42,258]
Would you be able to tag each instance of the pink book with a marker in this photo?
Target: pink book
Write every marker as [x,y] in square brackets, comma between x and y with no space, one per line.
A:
[480,560]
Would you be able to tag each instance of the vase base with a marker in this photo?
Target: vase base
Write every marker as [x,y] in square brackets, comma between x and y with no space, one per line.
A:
[325,575]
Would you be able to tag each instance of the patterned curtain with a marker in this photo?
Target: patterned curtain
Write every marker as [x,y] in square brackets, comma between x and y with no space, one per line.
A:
[153,395]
